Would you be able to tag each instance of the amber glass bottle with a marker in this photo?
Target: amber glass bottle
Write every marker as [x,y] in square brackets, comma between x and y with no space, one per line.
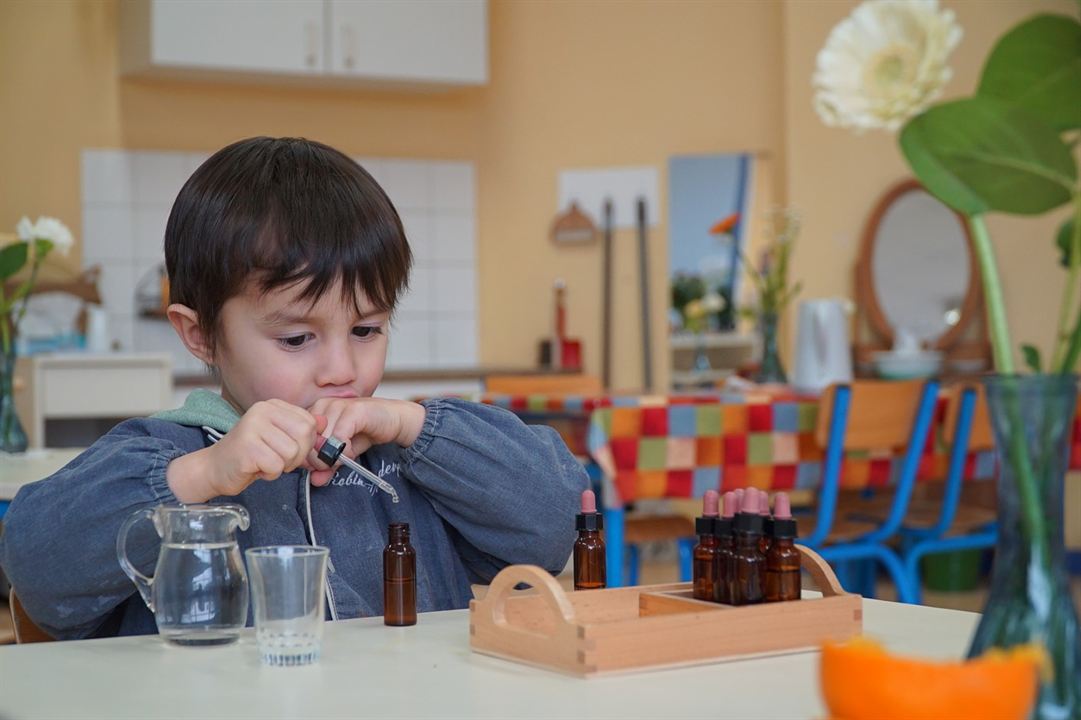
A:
[767,522]
[399,577]
[590,557]
[705,552]
[750,564]
[783,580]
[726,545]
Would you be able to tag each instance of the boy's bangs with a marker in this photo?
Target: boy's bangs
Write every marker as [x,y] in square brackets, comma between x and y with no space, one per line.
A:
[364,254]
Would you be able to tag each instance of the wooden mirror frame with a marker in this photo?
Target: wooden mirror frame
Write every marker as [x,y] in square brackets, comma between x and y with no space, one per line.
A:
[869,310]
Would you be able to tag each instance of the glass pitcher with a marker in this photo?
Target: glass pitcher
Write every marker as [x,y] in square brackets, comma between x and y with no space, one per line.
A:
[199,591]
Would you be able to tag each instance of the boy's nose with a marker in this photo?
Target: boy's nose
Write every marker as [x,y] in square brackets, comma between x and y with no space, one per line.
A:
[336,367]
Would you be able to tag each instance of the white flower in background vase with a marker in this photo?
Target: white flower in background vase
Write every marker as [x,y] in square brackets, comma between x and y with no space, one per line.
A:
[884,63]
[46,228]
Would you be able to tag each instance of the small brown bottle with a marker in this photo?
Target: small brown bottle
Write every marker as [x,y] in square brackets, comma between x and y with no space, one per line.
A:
[767,522]
[750,564]
[783,580]
[726,545]
[399,578]
[705,552]
[590,557]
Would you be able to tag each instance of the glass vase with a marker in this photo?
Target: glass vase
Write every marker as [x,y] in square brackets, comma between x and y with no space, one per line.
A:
[1029,599]
[12,436]
[770,370]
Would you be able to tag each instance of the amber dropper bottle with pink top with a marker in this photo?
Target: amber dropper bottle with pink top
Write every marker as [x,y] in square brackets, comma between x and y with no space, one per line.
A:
[726,544]
[750,563]
[705,552]
[767,522]
[590,557]
[783,580]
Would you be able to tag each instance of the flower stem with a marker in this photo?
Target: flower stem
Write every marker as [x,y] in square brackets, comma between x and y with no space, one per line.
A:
[992,293]
[1016,450]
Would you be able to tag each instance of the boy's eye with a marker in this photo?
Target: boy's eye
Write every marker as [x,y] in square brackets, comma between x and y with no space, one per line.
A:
[366,331]
[294,341]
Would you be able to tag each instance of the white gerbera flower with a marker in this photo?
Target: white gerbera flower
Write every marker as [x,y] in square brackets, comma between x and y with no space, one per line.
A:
[46,228]
[884,63]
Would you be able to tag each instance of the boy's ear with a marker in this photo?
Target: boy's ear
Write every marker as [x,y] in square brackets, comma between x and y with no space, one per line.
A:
[186,323]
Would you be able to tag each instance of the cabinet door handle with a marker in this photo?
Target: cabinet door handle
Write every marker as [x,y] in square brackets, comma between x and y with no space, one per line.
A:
[349,43]
[311,43]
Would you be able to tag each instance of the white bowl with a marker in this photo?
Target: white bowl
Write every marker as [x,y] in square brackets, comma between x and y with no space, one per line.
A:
[906,366]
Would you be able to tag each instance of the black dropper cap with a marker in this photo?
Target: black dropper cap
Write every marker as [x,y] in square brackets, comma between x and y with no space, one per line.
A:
[589,518]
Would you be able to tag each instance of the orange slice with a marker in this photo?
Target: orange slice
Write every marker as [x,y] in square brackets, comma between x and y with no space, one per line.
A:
[861,681]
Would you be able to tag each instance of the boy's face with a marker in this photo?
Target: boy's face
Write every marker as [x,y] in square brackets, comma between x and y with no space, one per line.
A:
[276,346]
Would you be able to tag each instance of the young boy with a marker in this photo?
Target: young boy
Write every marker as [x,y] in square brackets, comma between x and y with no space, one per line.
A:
[285,262]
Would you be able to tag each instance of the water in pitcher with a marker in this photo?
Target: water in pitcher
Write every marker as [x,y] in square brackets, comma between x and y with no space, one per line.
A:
[201,593]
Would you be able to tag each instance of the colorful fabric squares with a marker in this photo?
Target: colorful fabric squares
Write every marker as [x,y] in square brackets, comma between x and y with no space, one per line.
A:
[626,422]
[652,453]
[625,453]
[735,476]
[785,448]
[682,421]
[808,475]
[735,450]
[652,483]
[985,464]
[708,420]
[784,477]
[808,416]
[655,421]
[681,453]
[786,417]
[680,484]
[706,478]
[759,476]
[760,417]
[808,447]
[759,449]
[627,485]
[734,418]
[708,450]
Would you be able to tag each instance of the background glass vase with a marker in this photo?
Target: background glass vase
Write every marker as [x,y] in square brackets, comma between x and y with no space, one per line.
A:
[1029,601]
[770,370]
[13,437]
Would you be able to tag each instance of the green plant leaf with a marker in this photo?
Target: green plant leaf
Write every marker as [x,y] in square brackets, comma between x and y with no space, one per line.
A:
[1064,240]
[1037,65]
[12,259]
[980,155]
[1032,357]
[42,247]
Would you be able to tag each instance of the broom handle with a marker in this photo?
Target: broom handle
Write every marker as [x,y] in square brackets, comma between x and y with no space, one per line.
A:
[606,298]
[643,275]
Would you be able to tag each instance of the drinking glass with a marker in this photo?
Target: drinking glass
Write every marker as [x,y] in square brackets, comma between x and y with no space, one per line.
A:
[288,599]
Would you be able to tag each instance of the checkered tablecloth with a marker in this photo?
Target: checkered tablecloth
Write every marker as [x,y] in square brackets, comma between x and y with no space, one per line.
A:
[679,446]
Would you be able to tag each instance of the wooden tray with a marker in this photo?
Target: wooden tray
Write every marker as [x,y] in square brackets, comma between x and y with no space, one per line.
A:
[594,632]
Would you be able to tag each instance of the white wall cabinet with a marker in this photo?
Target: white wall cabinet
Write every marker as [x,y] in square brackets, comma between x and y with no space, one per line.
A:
[399,42]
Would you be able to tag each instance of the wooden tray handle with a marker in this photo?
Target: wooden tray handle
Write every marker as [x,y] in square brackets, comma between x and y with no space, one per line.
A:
[493,604]
[820,571]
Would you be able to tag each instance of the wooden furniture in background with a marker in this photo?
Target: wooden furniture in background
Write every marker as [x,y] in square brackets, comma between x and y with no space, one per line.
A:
[964,343]
[594,632]
[25,629]
[88,387]
[585,385]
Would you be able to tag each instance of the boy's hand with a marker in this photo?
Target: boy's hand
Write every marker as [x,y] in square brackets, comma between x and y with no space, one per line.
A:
[272,438]
[363,422]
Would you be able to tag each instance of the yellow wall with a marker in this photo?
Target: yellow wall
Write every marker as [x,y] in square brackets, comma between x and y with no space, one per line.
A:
[573,84]
[836,177]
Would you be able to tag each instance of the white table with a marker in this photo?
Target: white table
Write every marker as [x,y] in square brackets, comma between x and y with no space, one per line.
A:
[24,468]
[428,671]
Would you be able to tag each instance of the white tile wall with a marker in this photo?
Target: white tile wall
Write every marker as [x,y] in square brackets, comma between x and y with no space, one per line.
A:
[127,196]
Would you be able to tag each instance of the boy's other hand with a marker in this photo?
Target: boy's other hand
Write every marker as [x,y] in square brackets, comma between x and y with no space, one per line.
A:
[363,422]
[272,438]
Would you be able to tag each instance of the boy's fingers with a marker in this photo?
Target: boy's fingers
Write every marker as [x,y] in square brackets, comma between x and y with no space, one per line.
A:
[320,423]
[319,478]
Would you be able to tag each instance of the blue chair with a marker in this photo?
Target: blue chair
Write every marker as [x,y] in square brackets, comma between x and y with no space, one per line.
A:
[869,415]
[929,530]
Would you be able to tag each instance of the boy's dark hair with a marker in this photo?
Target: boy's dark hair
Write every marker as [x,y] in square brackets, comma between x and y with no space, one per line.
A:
[274,212]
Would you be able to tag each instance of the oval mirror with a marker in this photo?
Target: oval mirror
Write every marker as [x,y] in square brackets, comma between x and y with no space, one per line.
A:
[919,267]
